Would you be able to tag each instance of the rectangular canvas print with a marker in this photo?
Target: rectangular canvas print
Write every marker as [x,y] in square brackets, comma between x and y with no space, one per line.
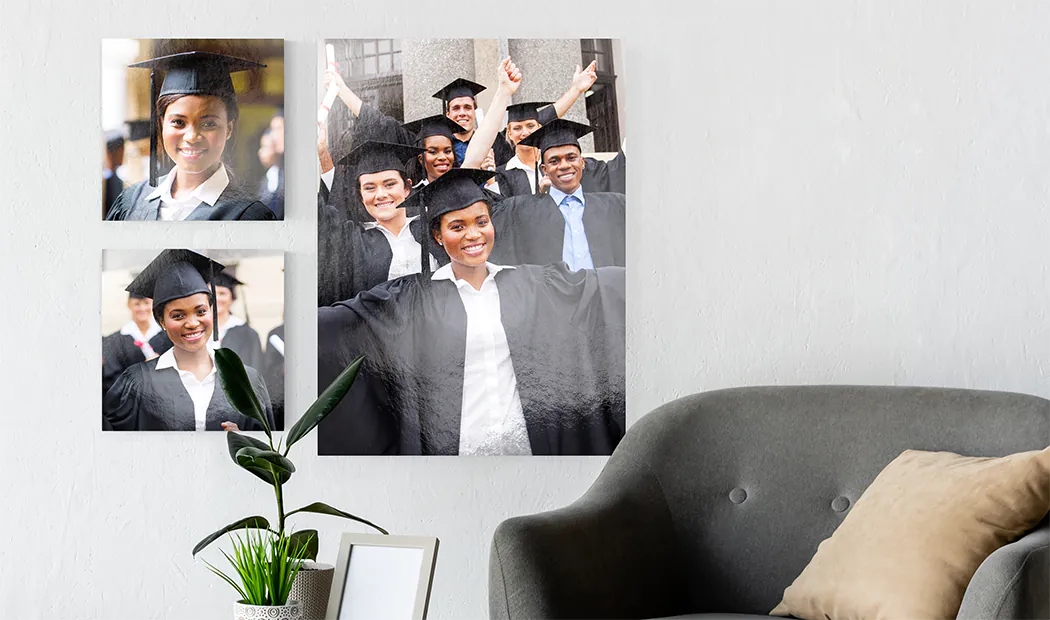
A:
[163,316]
[471,245]
[193,129]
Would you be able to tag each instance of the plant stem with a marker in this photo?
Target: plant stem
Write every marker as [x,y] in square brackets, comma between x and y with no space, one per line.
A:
[280,502]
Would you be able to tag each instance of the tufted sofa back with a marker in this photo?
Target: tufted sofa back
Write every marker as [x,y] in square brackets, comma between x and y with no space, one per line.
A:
[754,478]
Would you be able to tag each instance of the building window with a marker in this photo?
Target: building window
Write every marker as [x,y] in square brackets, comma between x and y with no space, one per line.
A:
[601,99]
[374,57]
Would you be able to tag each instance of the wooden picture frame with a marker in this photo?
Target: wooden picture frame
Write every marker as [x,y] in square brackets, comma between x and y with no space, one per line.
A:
[381,576]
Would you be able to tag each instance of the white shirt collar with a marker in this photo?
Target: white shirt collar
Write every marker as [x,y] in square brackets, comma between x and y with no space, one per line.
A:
[131,329]
[420,184]
[445,273]
[167,360]
[559,195]
[374,224]
[516,164]
[208,191]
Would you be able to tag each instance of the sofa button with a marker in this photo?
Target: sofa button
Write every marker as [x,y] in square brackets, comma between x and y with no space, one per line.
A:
[840,504]
[737,495]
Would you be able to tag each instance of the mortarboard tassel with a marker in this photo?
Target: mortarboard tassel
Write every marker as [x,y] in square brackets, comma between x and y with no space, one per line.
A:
[153,163]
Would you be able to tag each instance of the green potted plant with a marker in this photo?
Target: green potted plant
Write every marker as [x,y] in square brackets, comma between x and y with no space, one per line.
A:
[269,462]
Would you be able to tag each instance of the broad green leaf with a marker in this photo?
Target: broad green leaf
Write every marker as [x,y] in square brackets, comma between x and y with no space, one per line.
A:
[253,459]
[325,509]
[246,523]
[238,388]
[298,539]
[236,441]
[325,403]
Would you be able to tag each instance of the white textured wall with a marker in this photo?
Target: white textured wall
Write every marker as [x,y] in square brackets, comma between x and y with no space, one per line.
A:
[821,192]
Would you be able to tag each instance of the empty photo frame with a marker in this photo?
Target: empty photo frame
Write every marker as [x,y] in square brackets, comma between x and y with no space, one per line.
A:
[378,576]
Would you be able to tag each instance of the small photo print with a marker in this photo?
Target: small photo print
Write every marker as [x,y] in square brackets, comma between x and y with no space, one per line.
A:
[193,129]
[164,314]
[472,245]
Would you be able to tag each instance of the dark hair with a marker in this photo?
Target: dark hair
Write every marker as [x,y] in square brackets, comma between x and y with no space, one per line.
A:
[232,114]
[158,311]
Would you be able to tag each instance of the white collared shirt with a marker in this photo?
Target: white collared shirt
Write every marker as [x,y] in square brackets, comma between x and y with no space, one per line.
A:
[492,421]
[404,248]
[231,322]
[530,173]
[328,178]
[142,340]
[273,178]
[200,391]
[178,210]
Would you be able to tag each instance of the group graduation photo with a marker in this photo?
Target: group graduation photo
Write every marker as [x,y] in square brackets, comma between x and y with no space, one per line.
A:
[471,245]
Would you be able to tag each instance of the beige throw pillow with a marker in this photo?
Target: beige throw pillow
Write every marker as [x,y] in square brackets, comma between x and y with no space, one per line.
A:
[917,535]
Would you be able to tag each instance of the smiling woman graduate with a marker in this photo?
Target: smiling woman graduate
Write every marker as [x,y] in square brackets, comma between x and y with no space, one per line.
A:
[179,390]
[478,358]
[192,116]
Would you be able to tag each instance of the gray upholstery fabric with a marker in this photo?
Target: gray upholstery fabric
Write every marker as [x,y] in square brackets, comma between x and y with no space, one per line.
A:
[714,503]
[1014,582]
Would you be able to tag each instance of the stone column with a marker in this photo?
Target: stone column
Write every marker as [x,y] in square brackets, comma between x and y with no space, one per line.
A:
[547,66]
[429,64]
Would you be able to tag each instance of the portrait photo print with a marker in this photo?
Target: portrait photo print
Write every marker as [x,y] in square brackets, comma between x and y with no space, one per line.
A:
[164,314]
[471,245]
[193,129]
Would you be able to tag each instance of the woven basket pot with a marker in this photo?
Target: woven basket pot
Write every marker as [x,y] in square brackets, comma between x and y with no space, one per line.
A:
[312,586]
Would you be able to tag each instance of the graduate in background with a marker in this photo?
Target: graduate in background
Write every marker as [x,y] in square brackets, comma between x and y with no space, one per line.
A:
[234,332]
[130,344]
[478,358]
[271,156]
[582,229]
[112,185]
[193,116]
[273,372]
[179,390]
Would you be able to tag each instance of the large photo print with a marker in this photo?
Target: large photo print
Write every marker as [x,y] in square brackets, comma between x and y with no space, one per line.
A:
[471,245]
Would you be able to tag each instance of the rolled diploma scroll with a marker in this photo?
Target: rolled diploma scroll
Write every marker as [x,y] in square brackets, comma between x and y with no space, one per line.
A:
[333,90]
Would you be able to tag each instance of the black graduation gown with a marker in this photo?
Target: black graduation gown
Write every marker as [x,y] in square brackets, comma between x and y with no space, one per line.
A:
[112,187]
[530,229]
[515,182]
[273,373]
[355,259]
[233,204]
[244,341]
[566,336]
[145,399]
[275,199]
[119,353]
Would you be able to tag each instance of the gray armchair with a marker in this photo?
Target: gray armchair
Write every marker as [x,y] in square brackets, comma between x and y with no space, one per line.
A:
[714,503]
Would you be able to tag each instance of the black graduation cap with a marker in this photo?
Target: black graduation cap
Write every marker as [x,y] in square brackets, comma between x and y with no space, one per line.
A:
[374,156]
[525,111]
[228,280]
[437,125]
[137,129]
[189,73]
[456,189]
[175,274]
[114,140]
[458,88]
[558,132]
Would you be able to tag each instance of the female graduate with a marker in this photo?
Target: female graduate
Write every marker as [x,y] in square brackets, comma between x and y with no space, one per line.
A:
[234,332]
[130,345]
[193,117]
[179,390]
[357,253]
[477,358]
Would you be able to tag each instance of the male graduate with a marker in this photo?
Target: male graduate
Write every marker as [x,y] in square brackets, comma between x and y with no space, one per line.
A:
[583,229]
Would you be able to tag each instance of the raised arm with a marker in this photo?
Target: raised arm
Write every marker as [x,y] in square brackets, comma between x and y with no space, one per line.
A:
[480,143]
[581,81]
[348,96]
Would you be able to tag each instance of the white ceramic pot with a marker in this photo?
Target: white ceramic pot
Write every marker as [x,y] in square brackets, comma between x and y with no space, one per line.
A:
[312,586]
[292,611]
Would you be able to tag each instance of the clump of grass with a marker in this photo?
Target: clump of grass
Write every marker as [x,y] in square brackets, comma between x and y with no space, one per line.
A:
[265,564]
